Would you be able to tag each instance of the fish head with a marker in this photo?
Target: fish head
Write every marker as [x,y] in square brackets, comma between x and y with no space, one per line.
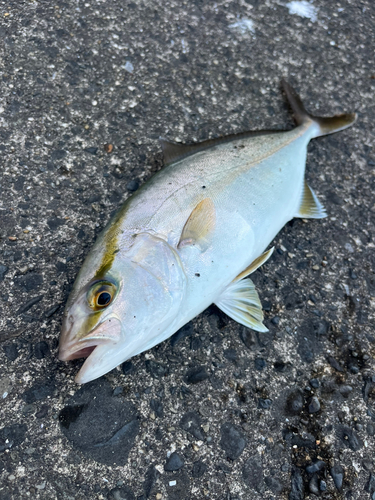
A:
[112,316]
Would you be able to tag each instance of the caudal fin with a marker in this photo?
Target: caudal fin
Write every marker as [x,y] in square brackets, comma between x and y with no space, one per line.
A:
[325,126]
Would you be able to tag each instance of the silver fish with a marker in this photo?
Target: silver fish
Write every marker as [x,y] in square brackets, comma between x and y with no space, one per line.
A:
[189,238]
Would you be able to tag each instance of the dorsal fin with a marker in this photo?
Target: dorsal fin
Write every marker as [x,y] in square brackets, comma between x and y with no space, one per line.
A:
[175,151]
[199,225]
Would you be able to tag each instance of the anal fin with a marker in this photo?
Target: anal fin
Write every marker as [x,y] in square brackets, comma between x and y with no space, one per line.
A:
[310,207]
[241,302]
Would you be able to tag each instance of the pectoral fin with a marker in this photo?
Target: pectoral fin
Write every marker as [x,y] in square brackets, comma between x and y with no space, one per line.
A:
[310,207]
[199,226]
[241,302]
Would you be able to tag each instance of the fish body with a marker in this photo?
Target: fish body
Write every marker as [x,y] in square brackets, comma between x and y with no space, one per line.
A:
[247,180]
[188,238]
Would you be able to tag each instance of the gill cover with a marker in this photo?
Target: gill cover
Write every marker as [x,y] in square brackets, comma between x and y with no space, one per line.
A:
[150,285]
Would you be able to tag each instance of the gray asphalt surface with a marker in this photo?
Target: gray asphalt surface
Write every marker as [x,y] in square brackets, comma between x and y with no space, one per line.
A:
[218,411]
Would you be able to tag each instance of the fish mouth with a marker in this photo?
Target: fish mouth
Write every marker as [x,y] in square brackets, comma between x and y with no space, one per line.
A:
[83,353]
[106,333]
[77,352]
[98,363]
[94,352]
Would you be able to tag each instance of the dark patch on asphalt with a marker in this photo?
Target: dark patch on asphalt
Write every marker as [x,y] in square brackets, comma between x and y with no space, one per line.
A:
[100,425]
[12,436]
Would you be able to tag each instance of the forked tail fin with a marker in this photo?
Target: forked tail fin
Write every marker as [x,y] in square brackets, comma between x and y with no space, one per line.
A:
[325,126]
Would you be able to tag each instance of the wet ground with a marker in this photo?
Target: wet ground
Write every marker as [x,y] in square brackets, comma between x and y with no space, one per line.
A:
[218,411]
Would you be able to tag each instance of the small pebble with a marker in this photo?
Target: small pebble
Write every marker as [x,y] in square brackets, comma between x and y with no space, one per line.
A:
[280,366]
[314,405]
[43,412]
[51,311]
[367,464]
[41,350]
[313,485]
[345,390]
[156,370]
[314,382]
[260,363]
[196,374]
[191,423]
[199,468]
[127,367]
[264,404]
[337,473]
[28,409]
[157,406]
[11,351]
[174,462]
[3,270]
[297,486]
[232,440]
[274,484]
[315,467]
[294,403]
[334,363]
[91,150]
[132,185]
[231,355]
[128,67]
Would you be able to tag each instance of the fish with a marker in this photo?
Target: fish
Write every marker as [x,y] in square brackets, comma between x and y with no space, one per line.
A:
[190,237]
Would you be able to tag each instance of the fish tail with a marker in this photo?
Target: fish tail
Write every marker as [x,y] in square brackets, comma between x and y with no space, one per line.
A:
[323,126]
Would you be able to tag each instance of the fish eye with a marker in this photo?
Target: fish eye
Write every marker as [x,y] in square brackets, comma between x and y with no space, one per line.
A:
[101,295]
[103,299]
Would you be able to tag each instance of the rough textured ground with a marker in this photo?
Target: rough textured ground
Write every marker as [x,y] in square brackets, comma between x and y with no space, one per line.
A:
[223,412]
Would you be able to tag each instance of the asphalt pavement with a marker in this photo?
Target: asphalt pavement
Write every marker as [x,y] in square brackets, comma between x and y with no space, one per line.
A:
[218,411]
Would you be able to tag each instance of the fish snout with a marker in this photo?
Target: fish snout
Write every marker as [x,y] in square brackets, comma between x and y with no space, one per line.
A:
[108,331]
[66,339]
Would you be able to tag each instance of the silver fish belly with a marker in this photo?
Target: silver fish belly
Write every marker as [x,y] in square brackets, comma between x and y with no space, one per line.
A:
[188,238]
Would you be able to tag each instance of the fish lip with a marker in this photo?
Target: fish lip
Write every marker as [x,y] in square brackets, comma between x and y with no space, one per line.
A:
[97,336]
[69,352]
[91,369]
[86,372]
